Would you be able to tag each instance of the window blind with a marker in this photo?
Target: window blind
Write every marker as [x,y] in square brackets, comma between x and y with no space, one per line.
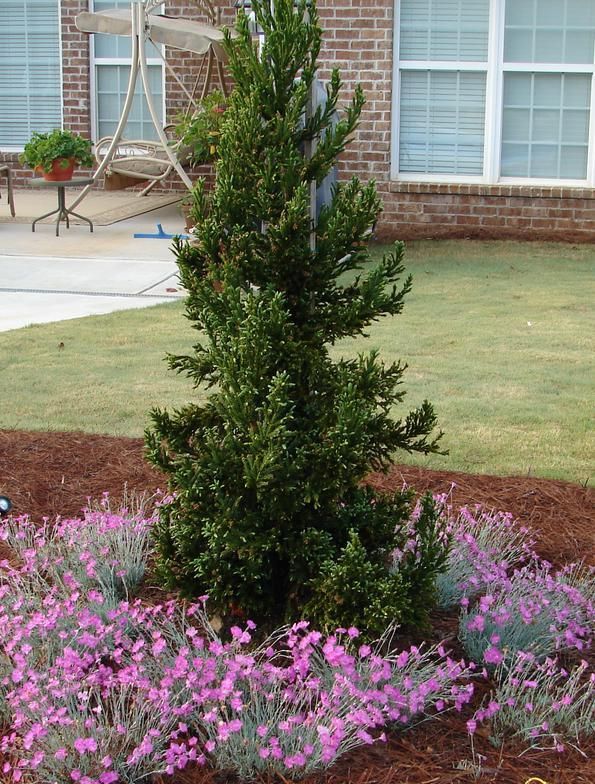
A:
[442,122]
[444,30]
[30,75]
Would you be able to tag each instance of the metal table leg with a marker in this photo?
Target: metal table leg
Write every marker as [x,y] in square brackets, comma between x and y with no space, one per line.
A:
[10,193]
[61,209]
[41,217]
[6,172]
[62,213]
[80,217]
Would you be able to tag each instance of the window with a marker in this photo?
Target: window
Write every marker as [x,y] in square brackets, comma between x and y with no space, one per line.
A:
[111,59]
[495,91]
[30,70]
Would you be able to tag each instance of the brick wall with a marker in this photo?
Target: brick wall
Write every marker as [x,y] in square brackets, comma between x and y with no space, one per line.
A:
[359,41]
[429,210]
[75,69]
[75,83]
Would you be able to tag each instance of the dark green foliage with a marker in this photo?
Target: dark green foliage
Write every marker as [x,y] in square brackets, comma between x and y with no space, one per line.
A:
[269,514]
[419,565]
[354,586]
[43,149]
[354,589]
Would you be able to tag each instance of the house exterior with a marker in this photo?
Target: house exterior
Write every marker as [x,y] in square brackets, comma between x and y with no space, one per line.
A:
[480,120]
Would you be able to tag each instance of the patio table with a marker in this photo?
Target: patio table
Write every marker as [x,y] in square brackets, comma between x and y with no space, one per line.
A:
[62,212]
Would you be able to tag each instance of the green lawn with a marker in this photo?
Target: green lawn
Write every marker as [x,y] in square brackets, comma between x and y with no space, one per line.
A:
[499,336]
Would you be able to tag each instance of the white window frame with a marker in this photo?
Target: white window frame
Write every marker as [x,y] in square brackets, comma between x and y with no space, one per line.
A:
[127,61]
[13,148]
[494,68]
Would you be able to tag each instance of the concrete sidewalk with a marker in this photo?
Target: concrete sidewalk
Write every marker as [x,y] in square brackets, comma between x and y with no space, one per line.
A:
[47,278]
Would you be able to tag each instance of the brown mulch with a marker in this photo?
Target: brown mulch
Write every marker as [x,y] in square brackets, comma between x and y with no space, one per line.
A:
[562,514]
[46,474]
[55,473]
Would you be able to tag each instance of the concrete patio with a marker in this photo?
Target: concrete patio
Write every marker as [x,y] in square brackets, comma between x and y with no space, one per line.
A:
[46,278]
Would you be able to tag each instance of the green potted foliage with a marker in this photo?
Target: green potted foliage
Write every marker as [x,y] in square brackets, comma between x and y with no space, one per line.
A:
[199,133]
[54,154]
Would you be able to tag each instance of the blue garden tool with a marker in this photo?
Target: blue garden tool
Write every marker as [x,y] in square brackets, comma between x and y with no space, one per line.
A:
[161,235]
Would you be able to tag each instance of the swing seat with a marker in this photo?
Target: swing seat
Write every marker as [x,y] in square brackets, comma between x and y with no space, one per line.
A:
[138,160]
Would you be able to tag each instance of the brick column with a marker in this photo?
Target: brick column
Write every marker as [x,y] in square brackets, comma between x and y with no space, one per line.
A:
[75,70]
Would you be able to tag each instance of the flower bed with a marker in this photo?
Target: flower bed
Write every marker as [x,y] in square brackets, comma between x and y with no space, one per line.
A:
[97,686]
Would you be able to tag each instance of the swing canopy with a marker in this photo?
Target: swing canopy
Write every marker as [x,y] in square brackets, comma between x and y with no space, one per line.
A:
[176,32]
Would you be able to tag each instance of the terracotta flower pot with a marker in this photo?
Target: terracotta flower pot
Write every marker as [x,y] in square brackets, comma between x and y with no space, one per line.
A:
[58,172]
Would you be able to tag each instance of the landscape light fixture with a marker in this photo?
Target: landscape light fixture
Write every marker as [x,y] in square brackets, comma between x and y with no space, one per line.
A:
[5,505]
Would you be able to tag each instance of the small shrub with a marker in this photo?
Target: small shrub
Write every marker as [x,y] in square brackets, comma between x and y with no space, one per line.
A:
[355,585]
[199,132]
[422,556]
[384,574]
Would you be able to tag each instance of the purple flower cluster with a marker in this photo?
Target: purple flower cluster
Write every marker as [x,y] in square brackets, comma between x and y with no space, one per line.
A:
[535,610]
[413,546]
[517,612]
[96,689]
[510,599]
[485,546]
[541,703]
[309,699]
[103,550]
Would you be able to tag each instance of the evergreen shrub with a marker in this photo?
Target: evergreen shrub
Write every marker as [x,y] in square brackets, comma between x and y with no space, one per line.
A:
[269,516]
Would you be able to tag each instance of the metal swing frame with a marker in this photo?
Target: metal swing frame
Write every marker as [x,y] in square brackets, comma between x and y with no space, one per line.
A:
[161,152]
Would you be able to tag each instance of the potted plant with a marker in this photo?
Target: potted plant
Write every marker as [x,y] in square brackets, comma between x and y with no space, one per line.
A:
[54,154]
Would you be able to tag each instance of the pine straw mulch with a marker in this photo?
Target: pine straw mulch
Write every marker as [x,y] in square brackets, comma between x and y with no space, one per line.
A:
[48,474]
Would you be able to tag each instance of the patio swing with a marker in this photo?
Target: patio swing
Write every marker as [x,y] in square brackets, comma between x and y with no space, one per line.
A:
[127,162]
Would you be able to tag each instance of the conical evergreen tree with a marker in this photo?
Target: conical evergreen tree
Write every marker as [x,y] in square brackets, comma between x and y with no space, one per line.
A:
[269,515]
